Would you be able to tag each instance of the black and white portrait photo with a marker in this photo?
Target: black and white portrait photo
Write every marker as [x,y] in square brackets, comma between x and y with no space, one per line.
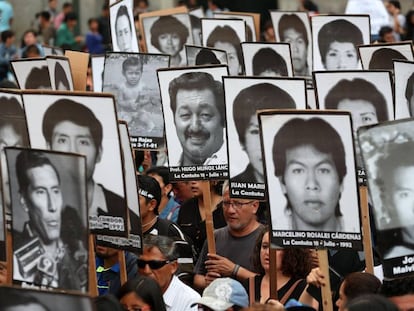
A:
[267,59]
[248,18]
[198,55]
[97,67]
[367,95]
[194,115]
[132,78]
[381,56]
[404,89]
[226,34]
[167,34]
[18,299]
[133,242]
[244,97]
[49,217]
[32,74]
[195,19]
[387,151]
[84,124]
[60,73]
[13,133]
[311,179]
[335,41]
[294,28]
[124,38]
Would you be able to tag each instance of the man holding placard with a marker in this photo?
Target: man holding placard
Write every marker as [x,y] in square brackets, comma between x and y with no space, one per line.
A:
[311,173]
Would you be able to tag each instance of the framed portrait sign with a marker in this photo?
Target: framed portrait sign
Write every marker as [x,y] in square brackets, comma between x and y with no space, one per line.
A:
[195,18]
[194,115]
[13,132]
[367,95]
[335,36]
[310,169]
[267,59]
[31,73]
[294,28]
[84,123]
[132,78]
[403,89]
[159,30]
[133,242]
[244,97]
[381,56]
[199,55]
[97,66]
[226,34]
[60,73]
[49,218]
[252,22]
[15,298]
[124,38]
[387,150]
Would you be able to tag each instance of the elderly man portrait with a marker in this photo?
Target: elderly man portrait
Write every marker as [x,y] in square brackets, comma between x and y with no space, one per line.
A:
[197,104]
[51,249]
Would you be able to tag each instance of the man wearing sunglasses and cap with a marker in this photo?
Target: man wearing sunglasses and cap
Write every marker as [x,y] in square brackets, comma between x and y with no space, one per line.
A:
[159,261]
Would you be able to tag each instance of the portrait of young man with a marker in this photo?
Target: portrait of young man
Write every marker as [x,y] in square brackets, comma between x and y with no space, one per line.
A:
[194,114]
[309,164]
[244,97]
[49,233]
[294,28]
[404,89]
[88,126]
[122,27]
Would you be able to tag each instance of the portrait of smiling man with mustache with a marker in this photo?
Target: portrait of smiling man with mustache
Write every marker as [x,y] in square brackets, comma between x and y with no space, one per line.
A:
[197,103]
[309,160]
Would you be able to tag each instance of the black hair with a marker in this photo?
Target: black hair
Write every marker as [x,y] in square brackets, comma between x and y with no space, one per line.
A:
[161,171]
[339,30]
[205,57]
[12,297]
[60,76]
[383,58]
[151,186]
[268,59]
[256,97]
[357,89]
[131,61]
[26,160]
[147,289]
[409,90]
[38,78]
[292,21]
[69,110]
[398,287]
[370,302]
[71,16]
[198,81]
[123,10]
[168,24]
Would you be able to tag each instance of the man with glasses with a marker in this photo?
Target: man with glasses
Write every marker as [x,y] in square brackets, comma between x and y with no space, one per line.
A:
[234,243]
[159,261]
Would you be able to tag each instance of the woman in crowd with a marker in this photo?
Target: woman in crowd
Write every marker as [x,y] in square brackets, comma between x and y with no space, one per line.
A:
[141,293]
[292,267]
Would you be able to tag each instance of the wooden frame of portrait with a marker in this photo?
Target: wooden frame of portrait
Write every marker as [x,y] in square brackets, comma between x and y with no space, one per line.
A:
[321,22]
[249,50]
[32,262]
[143,113]
[347,233]
[217,166]
[108,178]
[386,149]
[263,92]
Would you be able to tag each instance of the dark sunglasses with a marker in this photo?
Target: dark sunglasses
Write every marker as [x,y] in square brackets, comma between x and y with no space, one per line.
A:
[153,264]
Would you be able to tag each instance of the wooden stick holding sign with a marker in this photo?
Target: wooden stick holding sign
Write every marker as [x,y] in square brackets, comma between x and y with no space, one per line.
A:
[211,243]
[326,289]
[366,230]
[9,254]
[122,267]
[273,273]
[93,283]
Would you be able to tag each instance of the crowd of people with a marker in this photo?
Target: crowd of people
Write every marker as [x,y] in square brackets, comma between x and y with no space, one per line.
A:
[176,271]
